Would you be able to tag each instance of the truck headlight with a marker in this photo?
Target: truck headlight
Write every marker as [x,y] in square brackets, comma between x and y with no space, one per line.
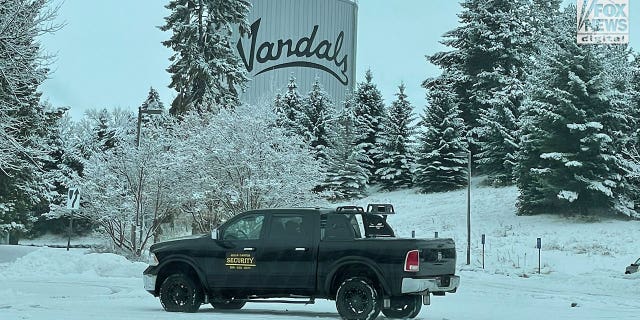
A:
[153,260]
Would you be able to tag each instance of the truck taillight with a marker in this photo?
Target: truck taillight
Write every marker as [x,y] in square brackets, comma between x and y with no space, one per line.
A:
[412,261]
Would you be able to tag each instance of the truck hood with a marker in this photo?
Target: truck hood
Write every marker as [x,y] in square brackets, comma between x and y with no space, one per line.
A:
[178,243]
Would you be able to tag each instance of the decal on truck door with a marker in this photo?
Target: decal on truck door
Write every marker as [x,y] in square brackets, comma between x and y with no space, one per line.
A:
[240,261]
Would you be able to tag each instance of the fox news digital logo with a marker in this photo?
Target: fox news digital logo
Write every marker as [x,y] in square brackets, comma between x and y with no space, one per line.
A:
[603,21]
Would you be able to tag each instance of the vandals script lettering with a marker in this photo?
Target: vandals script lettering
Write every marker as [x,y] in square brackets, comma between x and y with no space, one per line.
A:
[301,50]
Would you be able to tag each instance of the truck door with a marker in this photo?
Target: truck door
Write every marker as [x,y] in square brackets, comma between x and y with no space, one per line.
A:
[236,264]
[290,252]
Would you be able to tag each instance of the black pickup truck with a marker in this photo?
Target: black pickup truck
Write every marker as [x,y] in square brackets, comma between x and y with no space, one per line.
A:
[346,254]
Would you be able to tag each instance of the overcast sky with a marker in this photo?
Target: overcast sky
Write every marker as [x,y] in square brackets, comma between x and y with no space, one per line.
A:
[109,53]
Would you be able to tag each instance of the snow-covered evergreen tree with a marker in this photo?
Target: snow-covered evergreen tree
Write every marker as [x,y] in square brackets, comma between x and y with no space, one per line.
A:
[441,164]
[205,71]
[153,101]
[278,108]
[633,151]
[635,89]
[464,62]
[290,108]
[369,108]
[346,176]
[318,112]
[104,129]
[497,135]
[60,172]
[394,153]
[23,118]
[486,68]
[571,132]
[544,13]
[507,44]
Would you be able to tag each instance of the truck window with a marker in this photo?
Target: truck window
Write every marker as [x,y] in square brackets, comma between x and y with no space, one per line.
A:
[339,227]
[288,227]
[247,228]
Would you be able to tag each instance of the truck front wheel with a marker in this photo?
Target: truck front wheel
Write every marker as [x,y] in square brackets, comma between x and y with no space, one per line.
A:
[403,307]
[357,299]
[179,293]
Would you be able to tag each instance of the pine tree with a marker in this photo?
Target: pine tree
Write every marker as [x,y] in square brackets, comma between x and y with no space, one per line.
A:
[152,102]
[57,174]
[464,62]
[635,89]
[369,108]
[60,172]
[498,89]
[346,176]
[497,134]
[544,14]
[290,108]
[633,151]
[205,71]
[23,118]
[105,133]
[278,109]
[318,110]
[568,159]
[441,164]
[487,69]
[394,155]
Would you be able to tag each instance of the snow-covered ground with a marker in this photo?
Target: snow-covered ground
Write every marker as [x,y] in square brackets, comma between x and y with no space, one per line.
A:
[583,263]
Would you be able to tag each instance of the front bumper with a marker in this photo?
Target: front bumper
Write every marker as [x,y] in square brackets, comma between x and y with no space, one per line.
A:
[430,285]
[150,283]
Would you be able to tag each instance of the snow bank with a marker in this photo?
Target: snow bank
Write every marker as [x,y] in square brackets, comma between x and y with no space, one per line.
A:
[10,253]
[50,263]
[52,239]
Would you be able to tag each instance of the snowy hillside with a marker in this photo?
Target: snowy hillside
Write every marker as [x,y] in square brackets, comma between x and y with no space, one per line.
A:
[583,263]
[569,244]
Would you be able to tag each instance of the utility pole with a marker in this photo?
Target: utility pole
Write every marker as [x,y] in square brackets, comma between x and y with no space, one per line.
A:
[469,209]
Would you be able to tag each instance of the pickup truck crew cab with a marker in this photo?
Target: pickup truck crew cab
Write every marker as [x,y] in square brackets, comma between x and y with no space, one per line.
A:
[346,254]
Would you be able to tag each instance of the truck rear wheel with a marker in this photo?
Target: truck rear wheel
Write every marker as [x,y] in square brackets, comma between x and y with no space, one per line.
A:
[179,293]
[357,299]
[404,307]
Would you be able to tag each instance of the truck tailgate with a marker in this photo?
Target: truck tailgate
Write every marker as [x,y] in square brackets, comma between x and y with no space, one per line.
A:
[437,257]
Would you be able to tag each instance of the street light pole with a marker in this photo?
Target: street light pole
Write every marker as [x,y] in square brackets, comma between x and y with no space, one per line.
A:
[469,209]
[139,204]
[139,127]
[462,155]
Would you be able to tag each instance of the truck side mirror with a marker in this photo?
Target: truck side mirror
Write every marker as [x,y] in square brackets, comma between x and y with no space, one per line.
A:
[214,234]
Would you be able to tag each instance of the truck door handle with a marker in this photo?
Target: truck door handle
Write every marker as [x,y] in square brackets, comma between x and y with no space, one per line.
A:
[301,249]
[249,249]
